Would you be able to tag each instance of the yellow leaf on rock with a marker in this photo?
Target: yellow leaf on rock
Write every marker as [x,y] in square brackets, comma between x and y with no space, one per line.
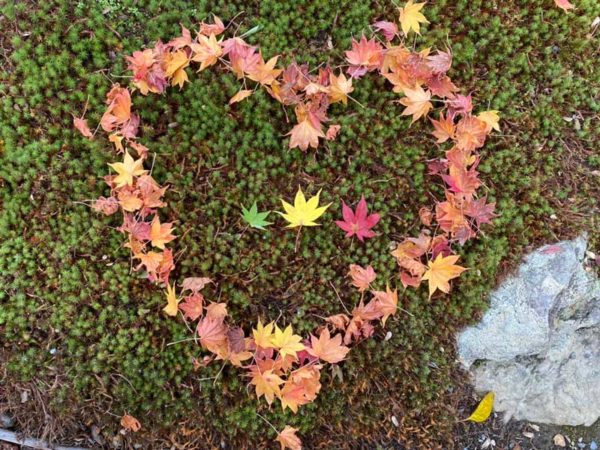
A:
[484,409]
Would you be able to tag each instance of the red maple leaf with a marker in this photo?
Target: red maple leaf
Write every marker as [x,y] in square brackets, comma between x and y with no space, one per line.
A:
[358,222]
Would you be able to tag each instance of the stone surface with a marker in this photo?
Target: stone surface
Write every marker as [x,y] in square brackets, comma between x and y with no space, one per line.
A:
[538,346]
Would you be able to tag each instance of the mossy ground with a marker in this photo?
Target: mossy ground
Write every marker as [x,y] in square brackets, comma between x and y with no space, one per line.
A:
[87,338]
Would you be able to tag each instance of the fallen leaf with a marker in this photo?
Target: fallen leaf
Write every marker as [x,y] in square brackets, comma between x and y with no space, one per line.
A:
[358,222]
[126,170]
[286,341]
[417,102]
[82,126]
[565,5]
[411,17]
[130,423]
[327,348]
[288,439]
[440,271]
[303,213]
[362,277]
[484,409]
[241,95]
[254,218]
[192,306]
[172,301]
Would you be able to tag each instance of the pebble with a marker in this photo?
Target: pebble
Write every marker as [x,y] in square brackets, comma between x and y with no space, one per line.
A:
[6,421]
[593,445]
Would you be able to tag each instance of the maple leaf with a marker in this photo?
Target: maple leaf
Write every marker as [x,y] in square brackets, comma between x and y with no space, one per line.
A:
[266,383]
[192,306]
[411,17]
[305,135]
[195,284]
[286,341]
[212,28]
[172,301]
[288,439]
[82,126]
[241,95]
[301,388]
[364,57]
[440,271]
[358,222]
[471,133]
[160,234]
[491,117]
[129,200]
[254,218]
[181,41]
[440,63]
[362,277]
[119,108]
[326,348]
[387,302]
[151,260]
[263,335]
[216,311]
[481,211]
[175,64]
[107,206]
[444,128]
[417,102]
[130,423]
[207,51]
[264,73]
[127,169]
[565,5]
[303,213]
[212,333]
[339,88]
[388,29]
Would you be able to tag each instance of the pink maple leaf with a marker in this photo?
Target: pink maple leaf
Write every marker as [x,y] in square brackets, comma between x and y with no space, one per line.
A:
[358,222]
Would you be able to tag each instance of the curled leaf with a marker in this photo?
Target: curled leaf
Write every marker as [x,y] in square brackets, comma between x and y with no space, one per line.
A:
[484,409]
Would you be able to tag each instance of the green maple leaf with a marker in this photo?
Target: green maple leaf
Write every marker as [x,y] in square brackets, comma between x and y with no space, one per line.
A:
[254,218]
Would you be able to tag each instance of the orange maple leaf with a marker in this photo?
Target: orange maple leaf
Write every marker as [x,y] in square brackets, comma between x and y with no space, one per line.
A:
[417,102]
[207,51]
[361,277]
[327,348]
[161,234]
[266,383]
[212,333]
[264,73]
[444,128]
[387,302]
[305,135]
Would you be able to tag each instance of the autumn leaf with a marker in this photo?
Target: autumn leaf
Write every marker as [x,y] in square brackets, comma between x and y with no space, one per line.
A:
[417,102]
[339,88]
[195,284]
[263,335]
[160,234]
[303,213]
[440,271]
[265,73]
[387,302]
[192,306]
[254,218]
[172,301]
[388,29]
[491,117]
[241,95]
[129,199]
[444,128]
[484,409]
[301,387]
[212,333]
[365,56]
[362,277]
[266,383]
[117,140]
[411,17]
[126,170]
[216,311]
[565,5]
[286,341]
[207,51]
[305,135]
[328,349]
[288,439]
[130,423]
[332,132]
[82,126]
[175,64]
[358,222]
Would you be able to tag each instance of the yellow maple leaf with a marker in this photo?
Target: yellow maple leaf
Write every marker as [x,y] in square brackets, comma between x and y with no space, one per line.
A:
[303,213]
[417,102]
[265,72]
[263,334]
[491,118]
[175,64]
[266,383]
[339,88]
[440,271]
[484,409]
[241,95]
[160,233]
[411,17]
[286,341]
[172,301]
[127,169]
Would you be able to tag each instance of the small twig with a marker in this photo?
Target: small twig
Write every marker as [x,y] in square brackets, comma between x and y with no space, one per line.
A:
[339,298]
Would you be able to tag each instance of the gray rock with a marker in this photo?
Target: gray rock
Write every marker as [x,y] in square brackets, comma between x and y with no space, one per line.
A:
[538,346]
